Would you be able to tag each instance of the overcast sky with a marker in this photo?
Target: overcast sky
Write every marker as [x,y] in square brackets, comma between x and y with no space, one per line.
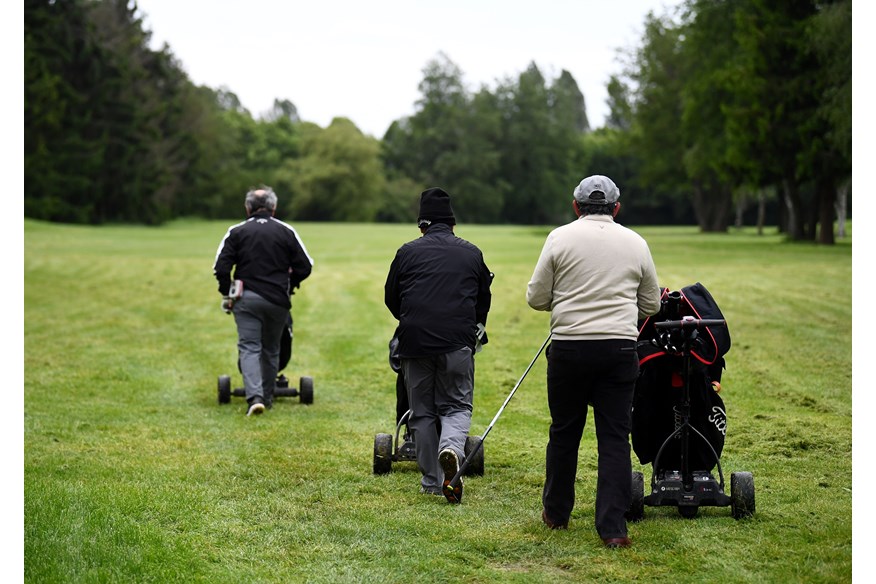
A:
[364,60]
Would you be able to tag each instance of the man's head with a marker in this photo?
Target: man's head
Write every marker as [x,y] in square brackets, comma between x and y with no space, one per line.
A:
[596,195]
[261,198]
[435,208]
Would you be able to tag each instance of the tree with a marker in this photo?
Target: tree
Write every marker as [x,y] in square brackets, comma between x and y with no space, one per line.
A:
[657,74]
[58,157]
[400,202]
[830,35]
[793,130]
[450,141]
[139,120]
[708,53]
[102,115]
[607,151]
[743,95]
[283,109]
[620,112]
[338,176]
[537,151]
[566,103]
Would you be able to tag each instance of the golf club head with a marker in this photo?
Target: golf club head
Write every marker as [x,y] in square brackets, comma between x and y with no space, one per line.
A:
[452,492]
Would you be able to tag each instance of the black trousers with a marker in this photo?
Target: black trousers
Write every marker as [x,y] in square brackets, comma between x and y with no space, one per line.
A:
[602,374]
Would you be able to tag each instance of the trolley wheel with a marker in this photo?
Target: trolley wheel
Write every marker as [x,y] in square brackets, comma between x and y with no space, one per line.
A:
[742,494]
[224,389]
[636,511]
[476,466]
[687,511]
[305,388]
[382,453]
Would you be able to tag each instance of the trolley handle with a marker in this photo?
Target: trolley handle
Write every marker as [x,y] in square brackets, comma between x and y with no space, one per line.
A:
[689,323]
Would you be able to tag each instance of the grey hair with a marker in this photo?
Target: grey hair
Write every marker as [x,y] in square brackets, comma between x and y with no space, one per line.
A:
[595,209]
[261,198]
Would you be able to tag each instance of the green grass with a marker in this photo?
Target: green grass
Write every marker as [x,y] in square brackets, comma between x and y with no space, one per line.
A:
[134,473]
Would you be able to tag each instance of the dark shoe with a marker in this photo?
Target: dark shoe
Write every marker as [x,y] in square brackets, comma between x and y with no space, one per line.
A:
[617,542]
[255,408]
[433,491]
[450,465]
[552,524]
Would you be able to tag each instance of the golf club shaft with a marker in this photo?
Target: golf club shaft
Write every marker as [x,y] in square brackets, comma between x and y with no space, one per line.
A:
[480,444]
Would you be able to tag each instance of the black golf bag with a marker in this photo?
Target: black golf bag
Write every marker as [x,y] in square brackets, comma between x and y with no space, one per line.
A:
[661,380]
[401,392]
[286,344]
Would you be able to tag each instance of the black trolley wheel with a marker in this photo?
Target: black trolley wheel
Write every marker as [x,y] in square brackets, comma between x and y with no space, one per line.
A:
[224,389]
[382,453]
[476,465]
[742,494]
[636,511]
[305,388]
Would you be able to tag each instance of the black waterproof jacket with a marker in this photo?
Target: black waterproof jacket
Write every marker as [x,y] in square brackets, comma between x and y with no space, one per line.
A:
[438,287]
[267,255]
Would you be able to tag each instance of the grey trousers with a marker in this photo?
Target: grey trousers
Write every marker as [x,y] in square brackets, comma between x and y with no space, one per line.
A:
[440,389]
[259,329]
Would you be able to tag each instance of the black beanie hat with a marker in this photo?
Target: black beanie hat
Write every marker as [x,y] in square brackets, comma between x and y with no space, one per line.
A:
[435,208]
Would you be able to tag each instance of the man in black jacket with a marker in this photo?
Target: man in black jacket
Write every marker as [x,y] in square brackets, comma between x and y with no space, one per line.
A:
[271,261]
[438,287]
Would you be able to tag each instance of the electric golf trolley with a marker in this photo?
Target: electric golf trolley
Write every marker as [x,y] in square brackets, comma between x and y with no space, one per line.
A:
[401,448]
[679,421]
[304,389]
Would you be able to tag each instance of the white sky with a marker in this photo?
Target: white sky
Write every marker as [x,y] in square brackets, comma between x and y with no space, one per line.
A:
[364,60]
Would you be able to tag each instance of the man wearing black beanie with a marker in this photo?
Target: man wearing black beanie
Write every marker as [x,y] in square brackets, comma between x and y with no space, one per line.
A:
[438,287]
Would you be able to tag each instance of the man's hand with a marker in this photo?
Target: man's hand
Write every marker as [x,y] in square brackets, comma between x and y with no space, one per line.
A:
[227,304]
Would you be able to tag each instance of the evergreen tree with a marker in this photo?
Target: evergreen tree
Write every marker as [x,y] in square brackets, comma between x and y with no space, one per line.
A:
[338,176]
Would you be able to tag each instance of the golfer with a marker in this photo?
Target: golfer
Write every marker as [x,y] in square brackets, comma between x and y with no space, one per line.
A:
[597,279]
[438,287]
[271,261]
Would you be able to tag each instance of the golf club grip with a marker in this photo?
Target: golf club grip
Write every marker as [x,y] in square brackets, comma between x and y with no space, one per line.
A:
[697,323]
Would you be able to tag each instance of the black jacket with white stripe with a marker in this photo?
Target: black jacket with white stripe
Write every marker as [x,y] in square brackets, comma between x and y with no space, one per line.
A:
[266,254]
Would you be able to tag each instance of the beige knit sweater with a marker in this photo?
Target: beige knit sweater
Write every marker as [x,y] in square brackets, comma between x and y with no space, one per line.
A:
[597,278]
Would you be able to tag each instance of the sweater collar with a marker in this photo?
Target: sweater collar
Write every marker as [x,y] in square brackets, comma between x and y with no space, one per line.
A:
[600,218]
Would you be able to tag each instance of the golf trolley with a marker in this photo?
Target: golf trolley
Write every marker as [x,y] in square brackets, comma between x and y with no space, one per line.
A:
[676,401]
[402,448]
[304,390]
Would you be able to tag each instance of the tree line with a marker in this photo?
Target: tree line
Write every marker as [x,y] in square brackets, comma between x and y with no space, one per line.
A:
[729,112]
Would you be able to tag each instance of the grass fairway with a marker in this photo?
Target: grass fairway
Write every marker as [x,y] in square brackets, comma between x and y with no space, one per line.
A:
[134,473]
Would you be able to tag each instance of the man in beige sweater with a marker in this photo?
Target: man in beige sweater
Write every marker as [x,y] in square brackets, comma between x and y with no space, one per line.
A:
[597,279]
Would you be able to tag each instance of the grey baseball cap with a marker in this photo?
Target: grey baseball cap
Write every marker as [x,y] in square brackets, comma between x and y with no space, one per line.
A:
[597,190]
